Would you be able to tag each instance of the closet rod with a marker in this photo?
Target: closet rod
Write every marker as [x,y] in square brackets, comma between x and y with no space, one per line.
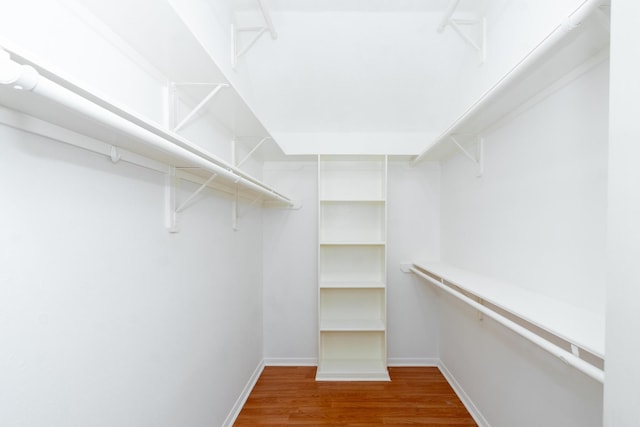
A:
[571,22]
[565,356]
[25,77]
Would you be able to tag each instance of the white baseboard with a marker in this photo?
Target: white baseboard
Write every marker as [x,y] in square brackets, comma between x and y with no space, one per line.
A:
[237,407]
[291,361]
[412,361]
[466,400]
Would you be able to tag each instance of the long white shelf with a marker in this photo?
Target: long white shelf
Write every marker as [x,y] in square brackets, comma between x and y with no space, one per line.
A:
[576,325]
[580,38]
[351,285]
[54,99]
[163,39]
[336,243]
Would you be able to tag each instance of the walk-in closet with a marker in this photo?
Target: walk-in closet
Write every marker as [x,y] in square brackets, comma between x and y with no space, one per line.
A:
[320,212]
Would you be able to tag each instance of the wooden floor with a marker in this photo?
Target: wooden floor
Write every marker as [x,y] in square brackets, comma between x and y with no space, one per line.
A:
[414,396]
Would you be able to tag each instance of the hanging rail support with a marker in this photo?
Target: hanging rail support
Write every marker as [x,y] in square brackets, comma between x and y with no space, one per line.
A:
[253,150]
[234,212]
[478,158]
[193,195]
[251,205]
[214,92]
[478,45]
[267,19]
[258,32]
[171,217]
[114,154]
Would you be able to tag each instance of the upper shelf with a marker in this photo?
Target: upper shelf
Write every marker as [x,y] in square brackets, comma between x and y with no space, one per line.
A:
[156,31]
[581,327]
[47,96]
[583,36]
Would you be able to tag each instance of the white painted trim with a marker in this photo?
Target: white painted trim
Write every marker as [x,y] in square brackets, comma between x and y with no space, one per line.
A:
[413,361]
[237,407]
[291,361]
[464,397]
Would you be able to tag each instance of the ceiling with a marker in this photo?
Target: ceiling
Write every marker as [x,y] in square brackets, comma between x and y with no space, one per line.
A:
[353,67]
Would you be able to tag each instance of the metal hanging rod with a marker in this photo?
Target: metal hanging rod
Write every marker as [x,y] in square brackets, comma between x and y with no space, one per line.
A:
[27,78]
[568,357]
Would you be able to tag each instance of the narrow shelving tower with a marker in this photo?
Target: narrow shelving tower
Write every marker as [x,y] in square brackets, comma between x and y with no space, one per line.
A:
[352,268]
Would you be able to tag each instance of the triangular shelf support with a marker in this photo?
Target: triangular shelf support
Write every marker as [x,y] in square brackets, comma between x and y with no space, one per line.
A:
[478,43]
[216,87]
[257,31]
[478,157]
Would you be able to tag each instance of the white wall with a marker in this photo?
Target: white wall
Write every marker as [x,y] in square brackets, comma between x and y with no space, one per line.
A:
[536,219]
[622,396]
[106,318]
[514,28]
[413,233]
[290,248]
[290,264]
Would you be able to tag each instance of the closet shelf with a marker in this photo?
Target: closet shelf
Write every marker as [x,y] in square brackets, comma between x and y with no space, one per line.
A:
[180,57]
[359,243]
[576,44]
[30,88]
[581,327]
[353,325]
[351,285]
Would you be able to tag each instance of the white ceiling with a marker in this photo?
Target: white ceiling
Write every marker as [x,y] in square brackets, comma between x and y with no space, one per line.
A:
[353,66]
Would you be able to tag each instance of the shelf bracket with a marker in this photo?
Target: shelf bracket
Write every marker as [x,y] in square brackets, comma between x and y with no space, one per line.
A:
[250,207]
[184,205]
[234,212]
[477,158]
[257,31]
[216,88]
[479,42]
[171,199]
[253,150]
[114,154]
[171,216]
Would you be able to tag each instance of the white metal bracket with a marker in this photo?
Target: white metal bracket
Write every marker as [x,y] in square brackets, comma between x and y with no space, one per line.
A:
[216,89]
[257,32]
[171,216]
[253,150]
[405,267]
[172,207]
[477,157]
[114,154]
[477,42]
[235,210]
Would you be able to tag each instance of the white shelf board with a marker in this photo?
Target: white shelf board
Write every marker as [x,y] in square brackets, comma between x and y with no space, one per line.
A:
[537,72]
[352,243]
[351,285]
[156,31]
[352,370]
[34,105]
[581,327]
[351,200]
[352,325]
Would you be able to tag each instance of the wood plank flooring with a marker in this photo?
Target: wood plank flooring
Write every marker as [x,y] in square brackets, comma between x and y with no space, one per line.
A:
[415,396]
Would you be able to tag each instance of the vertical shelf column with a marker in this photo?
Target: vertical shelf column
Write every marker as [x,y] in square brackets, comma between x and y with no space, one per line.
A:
[352,268]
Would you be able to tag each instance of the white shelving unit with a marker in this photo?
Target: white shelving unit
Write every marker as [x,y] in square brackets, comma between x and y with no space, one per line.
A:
[352,268]
[198,89]
[572,333]
[578,43]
